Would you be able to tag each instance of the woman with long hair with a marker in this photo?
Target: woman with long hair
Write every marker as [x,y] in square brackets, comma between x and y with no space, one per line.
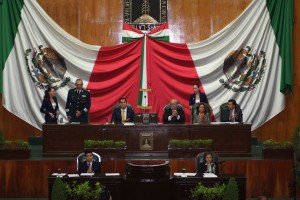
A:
[50,106]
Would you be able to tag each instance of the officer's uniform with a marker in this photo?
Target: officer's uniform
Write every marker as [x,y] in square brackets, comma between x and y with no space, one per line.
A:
[78,100]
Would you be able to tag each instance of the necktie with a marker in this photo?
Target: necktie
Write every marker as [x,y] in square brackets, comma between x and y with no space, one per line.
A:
[89,167]
[123,116]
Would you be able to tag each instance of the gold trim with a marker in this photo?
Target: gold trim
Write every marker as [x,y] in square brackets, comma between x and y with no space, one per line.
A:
[145,90]
[145,107]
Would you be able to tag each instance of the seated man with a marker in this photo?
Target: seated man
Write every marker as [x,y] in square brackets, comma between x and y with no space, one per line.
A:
[123,113]
[173,114]
[233,113]
[89,165]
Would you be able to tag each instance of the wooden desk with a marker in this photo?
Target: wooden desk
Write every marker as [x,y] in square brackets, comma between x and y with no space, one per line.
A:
[181,187]
[67,140]
[114,184]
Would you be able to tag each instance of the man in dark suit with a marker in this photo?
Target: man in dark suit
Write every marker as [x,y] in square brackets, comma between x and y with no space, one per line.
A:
[232,113]
[174,113]
[89,165]
[78,103]
[123,113]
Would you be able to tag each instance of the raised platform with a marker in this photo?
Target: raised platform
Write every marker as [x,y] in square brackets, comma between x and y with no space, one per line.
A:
[67,139]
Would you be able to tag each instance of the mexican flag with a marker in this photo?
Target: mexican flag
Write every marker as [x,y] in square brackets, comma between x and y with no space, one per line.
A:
[36,53]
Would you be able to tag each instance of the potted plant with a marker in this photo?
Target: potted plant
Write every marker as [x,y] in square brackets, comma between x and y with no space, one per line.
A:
[215,192]
[107,149]
[188,148]
[86,191]
[231,191]
[277,150]
[18,149]
[59,191]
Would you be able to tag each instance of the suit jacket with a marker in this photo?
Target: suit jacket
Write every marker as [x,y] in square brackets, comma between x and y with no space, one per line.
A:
[192,100]
[83,168]
[202,168]
[237,111]
[117,115]
[174,120]
[80,102]
[47,107]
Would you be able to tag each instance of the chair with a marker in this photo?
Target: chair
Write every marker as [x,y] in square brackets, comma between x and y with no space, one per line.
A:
[216,159]
[179,106]
[224,109]
[194,110]
[81,158]
[117,106]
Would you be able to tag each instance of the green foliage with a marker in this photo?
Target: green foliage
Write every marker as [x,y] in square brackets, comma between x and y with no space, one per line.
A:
[231,190]
[120,144]
[21,144]
[104,144]
[271,144]
[186,144]
[208,193]
[58,190]
[1,138]
[83,191]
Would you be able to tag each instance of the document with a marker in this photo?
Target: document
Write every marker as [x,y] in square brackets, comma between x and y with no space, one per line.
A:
[87,174]
[112,174]
[59,174]
[184,174]
[209,175]
[73,175]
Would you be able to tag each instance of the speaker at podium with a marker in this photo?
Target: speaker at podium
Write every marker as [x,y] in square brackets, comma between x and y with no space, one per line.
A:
[145,118]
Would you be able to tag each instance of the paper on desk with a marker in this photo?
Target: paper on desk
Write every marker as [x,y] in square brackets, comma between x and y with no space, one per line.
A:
[87,174]
[128,123]
[209,175]
[73,175]
[112,174]
[59,174]
[184,174]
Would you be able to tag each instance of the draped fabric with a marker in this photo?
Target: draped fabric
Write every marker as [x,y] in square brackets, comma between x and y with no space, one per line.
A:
[282,19]
[115,75]
[37,53]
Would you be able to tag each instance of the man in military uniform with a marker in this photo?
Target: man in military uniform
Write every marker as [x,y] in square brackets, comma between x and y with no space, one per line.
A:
[78,103]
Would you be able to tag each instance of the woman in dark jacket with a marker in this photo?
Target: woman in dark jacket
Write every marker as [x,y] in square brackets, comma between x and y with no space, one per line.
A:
[197,97]
[50,106]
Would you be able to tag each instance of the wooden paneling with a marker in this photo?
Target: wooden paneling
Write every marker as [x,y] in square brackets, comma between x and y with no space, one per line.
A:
[99,22]
[29,178]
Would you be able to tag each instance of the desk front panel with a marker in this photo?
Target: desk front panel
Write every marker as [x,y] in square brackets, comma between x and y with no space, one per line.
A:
[67,140]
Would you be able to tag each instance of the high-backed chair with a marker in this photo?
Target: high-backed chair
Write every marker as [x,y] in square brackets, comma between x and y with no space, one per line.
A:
[179,106]
[200,158]
[194,110]
[224,109]
[81,158]
[118,106]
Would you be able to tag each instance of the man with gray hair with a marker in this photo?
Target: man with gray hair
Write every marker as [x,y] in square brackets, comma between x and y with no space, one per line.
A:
[173,113]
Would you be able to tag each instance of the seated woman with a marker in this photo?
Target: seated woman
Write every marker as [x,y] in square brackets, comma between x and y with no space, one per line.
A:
[202,115]
[207,166]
